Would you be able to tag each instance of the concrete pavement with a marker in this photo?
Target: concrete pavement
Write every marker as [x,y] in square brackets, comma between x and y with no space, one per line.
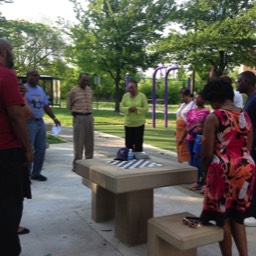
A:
[58,215]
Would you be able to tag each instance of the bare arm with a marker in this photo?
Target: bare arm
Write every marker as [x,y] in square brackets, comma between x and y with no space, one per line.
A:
[208,140]
[186,132]
[19,126]
[249,139]
[50,113]
[27,110]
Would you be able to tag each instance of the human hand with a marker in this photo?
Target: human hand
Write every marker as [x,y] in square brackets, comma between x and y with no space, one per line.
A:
[180,141]
[133,109]
[56,121]
[29,157]
[23,89]
[211,72]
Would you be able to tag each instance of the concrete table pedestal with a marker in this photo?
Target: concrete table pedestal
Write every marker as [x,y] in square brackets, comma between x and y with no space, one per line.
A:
[134,209]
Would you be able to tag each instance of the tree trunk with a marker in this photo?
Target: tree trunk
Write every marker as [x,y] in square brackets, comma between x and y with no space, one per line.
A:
[222,63]
[193,80]
[117,95]
[117,105]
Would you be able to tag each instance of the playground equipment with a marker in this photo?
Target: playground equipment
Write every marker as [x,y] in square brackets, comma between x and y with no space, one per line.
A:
[127,80]
[168,70]
[154,100]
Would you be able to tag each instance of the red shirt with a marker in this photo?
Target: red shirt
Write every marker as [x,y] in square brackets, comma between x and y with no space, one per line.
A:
[9,96]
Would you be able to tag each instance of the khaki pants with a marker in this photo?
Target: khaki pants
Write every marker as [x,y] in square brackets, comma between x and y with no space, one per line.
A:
[83,136]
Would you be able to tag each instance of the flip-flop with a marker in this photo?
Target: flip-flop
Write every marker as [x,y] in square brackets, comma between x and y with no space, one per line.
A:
[23,231]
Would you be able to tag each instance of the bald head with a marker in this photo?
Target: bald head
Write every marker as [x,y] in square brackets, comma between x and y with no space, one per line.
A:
[6,56]
[32,77]
[32,71]
[5,44]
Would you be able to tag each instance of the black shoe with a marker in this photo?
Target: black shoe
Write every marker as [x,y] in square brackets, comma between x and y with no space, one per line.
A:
[23,231]
[39,177]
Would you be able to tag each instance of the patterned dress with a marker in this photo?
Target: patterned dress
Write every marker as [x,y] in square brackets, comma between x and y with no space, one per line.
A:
[231,174]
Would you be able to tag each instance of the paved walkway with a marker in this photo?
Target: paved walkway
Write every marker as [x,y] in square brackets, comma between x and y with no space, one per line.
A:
[59,213]
[108,145]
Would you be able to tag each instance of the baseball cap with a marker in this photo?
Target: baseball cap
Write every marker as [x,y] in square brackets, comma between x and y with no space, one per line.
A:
[122,154]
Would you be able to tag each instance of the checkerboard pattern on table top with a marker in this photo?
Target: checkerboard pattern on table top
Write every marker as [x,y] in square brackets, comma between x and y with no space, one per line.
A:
[134,163]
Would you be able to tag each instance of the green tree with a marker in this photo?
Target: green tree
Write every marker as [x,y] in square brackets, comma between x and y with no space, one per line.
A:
[35,45]
[113,36]
[39,46]
[216,33]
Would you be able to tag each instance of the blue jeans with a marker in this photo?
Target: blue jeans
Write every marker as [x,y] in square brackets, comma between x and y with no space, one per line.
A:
[195,159]
[37,137]
[197,163]
[190,149]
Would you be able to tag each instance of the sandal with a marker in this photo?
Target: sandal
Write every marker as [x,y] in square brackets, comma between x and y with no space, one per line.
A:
[202,191]
[193,186]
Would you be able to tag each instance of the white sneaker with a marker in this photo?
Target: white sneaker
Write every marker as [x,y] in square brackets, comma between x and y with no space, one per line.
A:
[250,222]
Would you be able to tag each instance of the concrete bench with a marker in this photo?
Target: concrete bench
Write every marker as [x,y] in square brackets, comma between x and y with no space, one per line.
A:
[167,235]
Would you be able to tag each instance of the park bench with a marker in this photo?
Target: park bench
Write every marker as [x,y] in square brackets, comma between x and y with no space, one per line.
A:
[167,235]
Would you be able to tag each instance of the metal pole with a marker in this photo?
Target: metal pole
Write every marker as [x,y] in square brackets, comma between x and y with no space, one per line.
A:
[166,95]
[189,83]
[154,96]
[127,80]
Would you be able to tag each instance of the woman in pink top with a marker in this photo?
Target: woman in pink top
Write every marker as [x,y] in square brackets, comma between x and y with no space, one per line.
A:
[194,124]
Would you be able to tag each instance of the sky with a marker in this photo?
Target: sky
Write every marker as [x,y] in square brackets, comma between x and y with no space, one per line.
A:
[38,10]
[44,11]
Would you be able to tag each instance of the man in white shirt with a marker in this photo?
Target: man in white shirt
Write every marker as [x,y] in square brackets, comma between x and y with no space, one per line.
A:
[238,98]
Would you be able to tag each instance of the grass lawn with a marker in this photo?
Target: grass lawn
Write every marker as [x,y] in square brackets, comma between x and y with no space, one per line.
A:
[111,122]
[51,139]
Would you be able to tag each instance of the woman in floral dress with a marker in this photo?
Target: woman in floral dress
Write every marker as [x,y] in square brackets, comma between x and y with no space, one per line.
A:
[230,170]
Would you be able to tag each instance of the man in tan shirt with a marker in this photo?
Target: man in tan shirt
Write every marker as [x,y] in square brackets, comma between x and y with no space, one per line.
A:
[79,101]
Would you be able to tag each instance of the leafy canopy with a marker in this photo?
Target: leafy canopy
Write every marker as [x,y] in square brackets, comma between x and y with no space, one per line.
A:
[35,45]
[113,36]
[216,33]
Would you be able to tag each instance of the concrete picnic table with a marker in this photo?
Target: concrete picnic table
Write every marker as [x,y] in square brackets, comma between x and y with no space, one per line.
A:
[127,195]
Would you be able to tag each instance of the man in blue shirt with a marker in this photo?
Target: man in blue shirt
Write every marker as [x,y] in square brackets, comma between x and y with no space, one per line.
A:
[246,84]
[38,103]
